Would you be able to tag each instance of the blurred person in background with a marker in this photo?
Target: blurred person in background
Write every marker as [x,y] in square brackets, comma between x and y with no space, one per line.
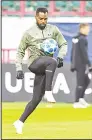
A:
[81,64]
[42,65]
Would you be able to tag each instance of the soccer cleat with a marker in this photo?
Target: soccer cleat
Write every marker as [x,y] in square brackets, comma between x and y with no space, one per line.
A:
[78,105]
[18,126]
[49,97]
[83,102]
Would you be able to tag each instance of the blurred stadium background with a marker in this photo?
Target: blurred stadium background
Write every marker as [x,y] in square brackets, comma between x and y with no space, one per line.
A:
[21,15]
[59,120]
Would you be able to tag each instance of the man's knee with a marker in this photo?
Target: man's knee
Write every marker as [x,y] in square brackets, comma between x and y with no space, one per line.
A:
[36,100]
[53,62]
[80,87]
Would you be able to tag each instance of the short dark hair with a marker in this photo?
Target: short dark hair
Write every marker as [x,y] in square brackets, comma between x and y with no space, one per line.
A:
[82,25]
[41,9]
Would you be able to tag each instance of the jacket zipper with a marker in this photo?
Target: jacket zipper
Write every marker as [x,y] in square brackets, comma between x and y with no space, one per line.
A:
[42,34]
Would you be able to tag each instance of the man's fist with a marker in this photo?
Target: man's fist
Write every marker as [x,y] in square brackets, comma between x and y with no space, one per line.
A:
[90,69]
[20,74]
[72,69]
[59,62]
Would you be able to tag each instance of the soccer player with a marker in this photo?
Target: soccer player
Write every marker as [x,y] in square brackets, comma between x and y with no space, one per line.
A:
[81,64]
[43,66]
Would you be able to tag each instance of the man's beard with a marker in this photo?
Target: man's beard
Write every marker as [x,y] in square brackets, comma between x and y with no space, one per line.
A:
[41,26]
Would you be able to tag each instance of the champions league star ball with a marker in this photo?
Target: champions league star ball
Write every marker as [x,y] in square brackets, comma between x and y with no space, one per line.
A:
[49,46]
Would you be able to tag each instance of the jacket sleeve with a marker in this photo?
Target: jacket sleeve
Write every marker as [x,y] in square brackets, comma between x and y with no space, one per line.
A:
[84,51]
[62,43]
[21,51]
[72,57]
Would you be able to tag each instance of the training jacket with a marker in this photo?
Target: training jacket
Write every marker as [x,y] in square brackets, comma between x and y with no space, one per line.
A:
[32,40]
[79,53]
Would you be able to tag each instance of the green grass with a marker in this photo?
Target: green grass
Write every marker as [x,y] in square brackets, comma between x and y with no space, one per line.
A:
[57,121]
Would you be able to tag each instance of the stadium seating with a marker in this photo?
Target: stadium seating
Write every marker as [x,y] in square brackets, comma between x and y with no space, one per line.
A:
[67,5]
[10,5]
[31,6]
[89,6]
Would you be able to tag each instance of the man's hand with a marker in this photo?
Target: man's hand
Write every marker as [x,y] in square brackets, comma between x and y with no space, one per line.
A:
[20,74]
[72,69]
[90,69]
[59,62]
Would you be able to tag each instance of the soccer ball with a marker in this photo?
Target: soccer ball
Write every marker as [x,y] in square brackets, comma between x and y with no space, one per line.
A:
[49,46]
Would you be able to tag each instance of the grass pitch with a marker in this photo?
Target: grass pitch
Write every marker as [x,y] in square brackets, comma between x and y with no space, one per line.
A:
[48,121]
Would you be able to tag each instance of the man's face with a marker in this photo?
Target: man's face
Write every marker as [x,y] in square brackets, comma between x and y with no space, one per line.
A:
[41,19]
[87,29]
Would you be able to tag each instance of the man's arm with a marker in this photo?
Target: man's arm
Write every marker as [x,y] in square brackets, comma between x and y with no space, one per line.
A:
[73,52]
[21,51]
[62,43]
[84,52]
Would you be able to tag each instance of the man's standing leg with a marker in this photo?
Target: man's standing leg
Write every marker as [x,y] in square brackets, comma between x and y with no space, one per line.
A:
[38,92]
[79,88]
[86,83]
